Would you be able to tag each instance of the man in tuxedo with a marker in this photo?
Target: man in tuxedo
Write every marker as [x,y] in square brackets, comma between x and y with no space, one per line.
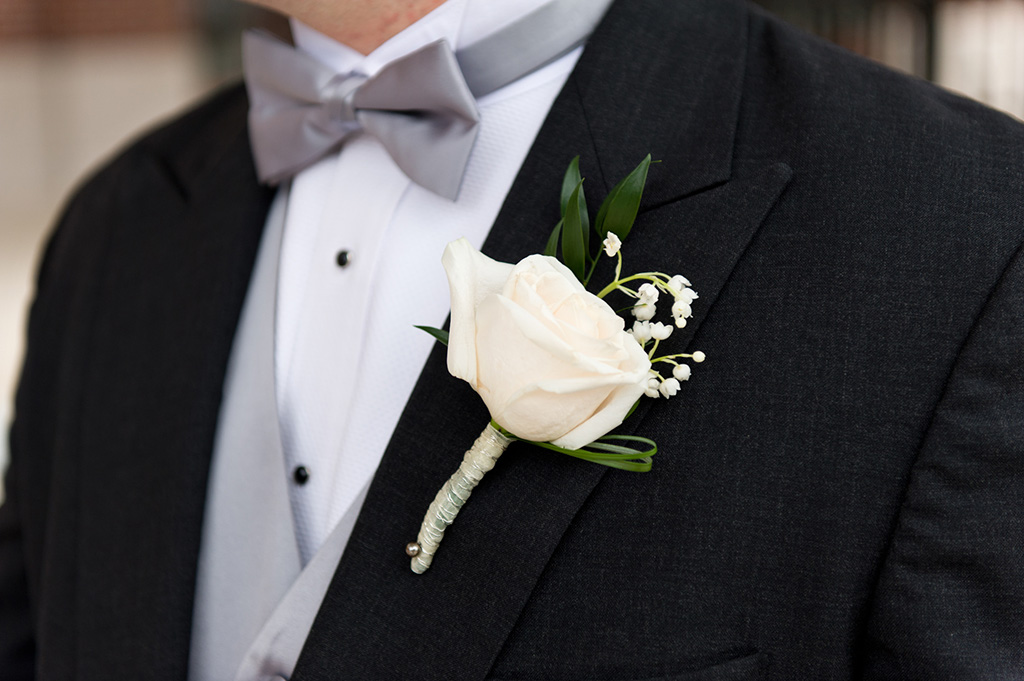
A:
[205,483]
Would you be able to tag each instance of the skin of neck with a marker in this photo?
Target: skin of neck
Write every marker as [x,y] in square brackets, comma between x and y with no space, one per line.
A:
[363,25]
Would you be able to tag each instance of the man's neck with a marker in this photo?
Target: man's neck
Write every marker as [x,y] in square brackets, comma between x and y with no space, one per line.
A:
[361,25]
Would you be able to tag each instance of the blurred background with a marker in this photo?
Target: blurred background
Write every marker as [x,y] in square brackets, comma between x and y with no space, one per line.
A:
[79,77]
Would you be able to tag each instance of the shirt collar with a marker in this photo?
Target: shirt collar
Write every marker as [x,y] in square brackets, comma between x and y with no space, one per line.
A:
[460,22]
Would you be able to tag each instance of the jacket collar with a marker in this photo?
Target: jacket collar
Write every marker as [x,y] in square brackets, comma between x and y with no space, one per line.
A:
[683,110]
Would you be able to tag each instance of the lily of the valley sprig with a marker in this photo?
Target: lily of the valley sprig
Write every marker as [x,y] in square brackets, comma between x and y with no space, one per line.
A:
[553,362]
[647,332]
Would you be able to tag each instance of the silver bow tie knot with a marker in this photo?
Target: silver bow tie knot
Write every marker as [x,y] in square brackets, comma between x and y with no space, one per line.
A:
[419,108]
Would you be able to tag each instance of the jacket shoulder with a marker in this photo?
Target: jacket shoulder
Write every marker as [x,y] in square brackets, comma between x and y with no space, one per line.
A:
[182,146]
[843,119]
[862,103]
[161,163]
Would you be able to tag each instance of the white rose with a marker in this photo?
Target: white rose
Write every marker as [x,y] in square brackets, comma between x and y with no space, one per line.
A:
[551,361]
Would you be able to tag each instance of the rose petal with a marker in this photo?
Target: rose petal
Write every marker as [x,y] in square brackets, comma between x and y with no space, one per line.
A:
[472,276]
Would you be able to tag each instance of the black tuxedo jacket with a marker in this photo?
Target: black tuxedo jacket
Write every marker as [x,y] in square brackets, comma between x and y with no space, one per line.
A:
[839,491]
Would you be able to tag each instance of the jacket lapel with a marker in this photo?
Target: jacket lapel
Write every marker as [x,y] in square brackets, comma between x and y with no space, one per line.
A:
[378,619]
[169,304]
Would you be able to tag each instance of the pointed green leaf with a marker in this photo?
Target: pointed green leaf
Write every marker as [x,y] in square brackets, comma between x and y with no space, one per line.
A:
[552,247]
[573,253]
[619,209]
[440,334]
[570,182]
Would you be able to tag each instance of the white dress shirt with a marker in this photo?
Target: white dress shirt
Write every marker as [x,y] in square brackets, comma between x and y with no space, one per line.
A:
[346,354]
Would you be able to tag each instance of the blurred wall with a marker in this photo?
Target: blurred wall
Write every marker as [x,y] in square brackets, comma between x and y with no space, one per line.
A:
[76,78]
[975,47]
[981,51]
[79,77]
[60,18]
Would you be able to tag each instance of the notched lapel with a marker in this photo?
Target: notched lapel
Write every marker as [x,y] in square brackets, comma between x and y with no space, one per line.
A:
[703,237]
[682,110]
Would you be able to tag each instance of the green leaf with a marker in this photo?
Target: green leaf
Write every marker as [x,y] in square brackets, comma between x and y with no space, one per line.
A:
[619,209]
[571,180]
[612,455]
[552,247]
[614,449]
[573,249]
[440,334]
[638,466]
[652,446]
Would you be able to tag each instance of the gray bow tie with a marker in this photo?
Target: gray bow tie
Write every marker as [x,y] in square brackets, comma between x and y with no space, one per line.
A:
[420,107]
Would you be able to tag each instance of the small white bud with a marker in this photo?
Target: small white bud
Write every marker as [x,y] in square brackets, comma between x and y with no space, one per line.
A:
[682,372]
[699,357]
[688,294]
[678,282]
[660,331]
[612,244]
[669,387]
[644,311]
[641,331]
[681,308]
[648,293]
[652,387]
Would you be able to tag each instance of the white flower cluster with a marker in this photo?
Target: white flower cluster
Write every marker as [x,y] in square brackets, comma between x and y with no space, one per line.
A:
[682,299]
[645,331]
[658,385]
[645,305]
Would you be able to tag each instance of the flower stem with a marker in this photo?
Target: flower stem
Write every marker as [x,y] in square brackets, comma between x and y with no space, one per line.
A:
[479,459]
[593,266]
[654,277]
[668,358]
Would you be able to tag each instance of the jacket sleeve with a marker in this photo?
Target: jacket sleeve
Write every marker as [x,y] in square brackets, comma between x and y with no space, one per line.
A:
[41,402]
[949,603]
[17,645]
[17,635]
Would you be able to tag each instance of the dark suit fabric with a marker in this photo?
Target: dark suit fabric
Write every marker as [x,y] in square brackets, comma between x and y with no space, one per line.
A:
[839,490]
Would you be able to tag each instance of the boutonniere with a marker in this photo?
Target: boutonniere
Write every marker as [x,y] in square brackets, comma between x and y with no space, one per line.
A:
[553,362]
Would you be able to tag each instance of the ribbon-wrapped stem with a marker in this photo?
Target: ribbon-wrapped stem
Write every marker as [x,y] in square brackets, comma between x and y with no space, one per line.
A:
[479,459]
